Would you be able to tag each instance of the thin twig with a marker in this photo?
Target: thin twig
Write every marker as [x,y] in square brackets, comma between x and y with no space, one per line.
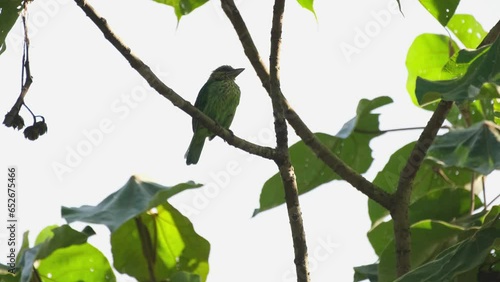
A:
[472,194]
[246,40]
[492,201]
[26,78]
[35,275]
[394,129]
[322,152]
[484,192]
[170,94]
[283,158]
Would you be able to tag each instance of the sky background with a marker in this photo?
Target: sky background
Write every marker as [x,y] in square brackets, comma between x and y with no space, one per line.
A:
[83,87]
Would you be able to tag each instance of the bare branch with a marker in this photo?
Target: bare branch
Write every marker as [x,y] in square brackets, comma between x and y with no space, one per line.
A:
[283,158]
[401,198]
[249,48]
[322,152]
[170,94]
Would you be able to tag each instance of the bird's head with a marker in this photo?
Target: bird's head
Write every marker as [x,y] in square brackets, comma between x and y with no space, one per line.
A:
[225,72]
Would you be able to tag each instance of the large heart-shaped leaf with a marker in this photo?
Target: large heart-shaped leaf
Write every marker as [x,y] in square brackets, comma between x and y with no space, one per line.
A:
[351,144]
[54,246]
[149,237]
[476,148]
[163,238]
[426,57]
[87,263]
[136,197]
[483,67]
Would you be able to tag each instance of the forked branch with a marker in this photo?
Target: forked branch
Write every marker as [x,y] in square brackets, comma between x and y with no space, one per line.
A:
[401,198]
[322,152]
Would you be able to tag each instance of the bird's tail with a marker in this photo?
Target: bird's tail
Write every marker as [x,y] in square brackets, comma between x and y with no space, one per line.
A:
[194,151]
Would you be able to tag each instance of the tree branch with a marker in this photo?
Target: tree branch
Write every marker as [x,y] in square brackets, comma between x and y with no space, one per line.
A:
[283,158]
[322,152]
[246,40]
[401,198]
[170,94]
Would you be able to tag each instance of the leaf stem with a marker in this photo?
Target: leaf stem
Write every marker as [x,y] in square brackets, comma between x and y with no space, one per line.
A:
[472,193]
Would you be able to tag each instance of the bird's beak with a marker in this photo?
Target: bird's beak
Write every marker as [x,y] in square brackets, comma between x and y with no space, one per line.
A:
[236,72]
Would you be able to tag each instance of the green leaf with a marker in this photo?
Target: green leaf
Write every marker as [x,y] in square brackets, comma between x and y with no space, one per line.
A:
[484,67]
[426,57]
[135,197]
[146,228]
[183,276]
[364,121]
[62,237]
[307,4]
[76,263]
[9,12]
[471,220]
[467,30]
[461,61]
[458,259]
[429,177]
[380,236]
[442,10]
[492,216]
[182,7]
[6,276]
[351,144]
[171,245]
[428,238]
[25,245]
[441,204]
[476,148]
[478,110]
[364,272]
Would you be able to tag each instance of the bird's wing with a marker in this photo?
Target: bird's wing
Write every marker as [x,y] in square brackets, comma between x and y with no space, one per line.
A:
[201,102]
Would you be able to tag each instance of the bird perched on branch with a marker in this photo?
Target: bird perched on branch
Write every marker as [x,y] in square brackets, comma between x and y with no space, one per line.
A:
[218,99]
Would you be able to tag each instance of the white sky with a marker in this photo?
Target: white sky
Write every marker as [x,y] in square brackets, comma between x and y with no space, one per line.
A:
[81,81]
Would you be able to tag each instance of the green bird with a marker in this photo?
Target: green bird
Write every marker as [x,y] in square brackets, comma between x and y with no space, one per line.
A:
[218,99]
